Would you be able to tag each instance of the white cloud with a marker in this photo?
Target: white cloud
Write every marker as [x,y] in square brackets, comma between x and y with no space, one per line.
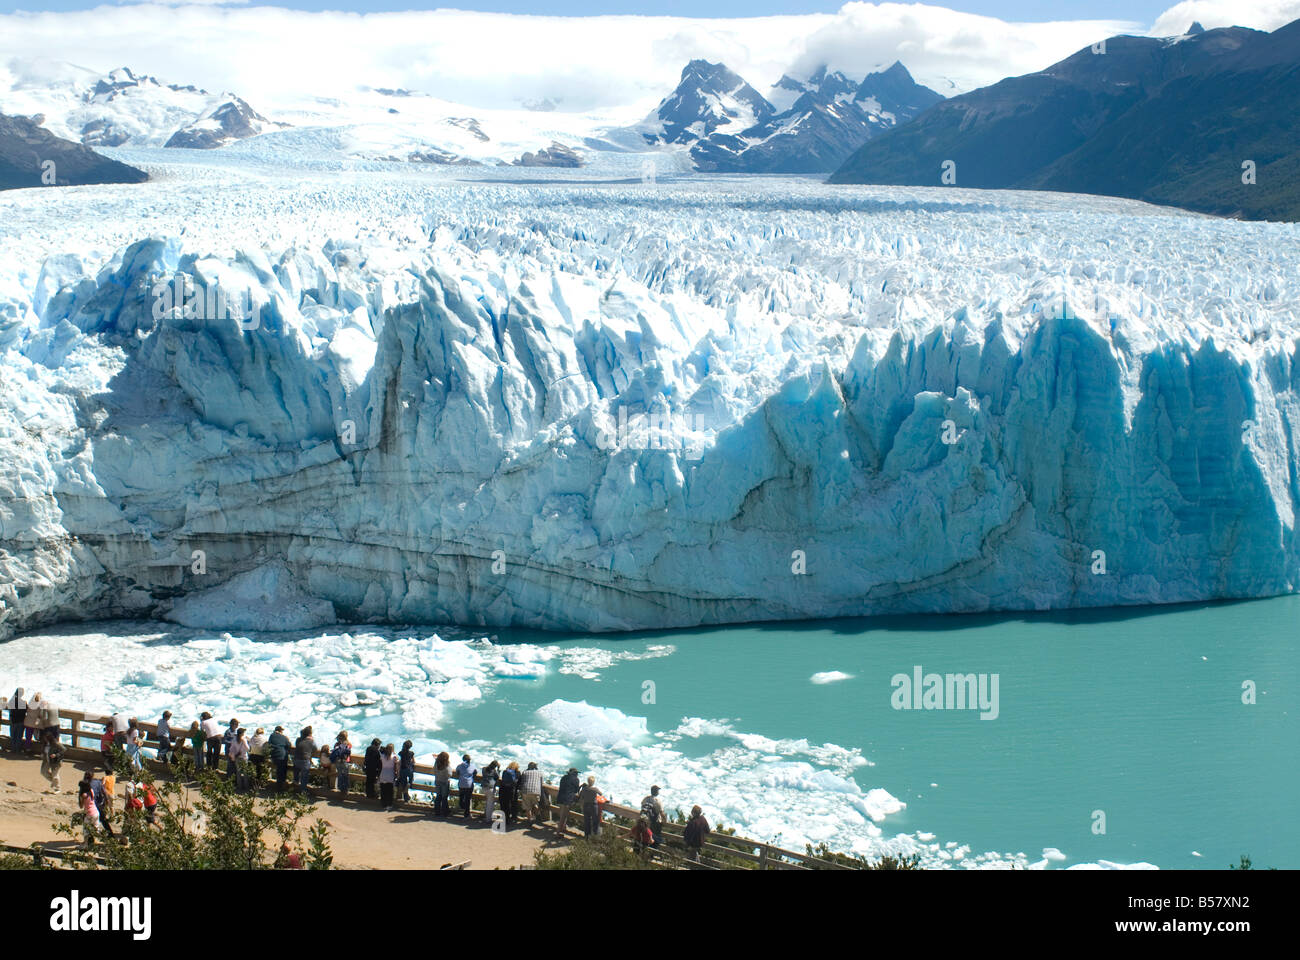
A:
[937,44]
[272,55]
[1259,14]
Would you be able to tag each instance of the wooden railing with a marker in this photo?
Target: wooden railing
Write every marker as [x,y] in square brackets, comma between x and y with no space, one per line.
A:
[722,850]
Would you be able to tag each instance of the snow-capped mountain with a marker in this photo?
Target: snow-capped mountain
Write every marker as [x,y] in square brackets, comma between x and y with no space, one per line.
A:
[122,108]
[710,101]
[227,122]
[31,156]
[805,125]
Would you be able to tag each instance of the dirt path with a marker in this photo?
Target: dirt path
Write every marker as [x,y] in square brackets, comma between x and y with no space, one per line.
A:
[362,836]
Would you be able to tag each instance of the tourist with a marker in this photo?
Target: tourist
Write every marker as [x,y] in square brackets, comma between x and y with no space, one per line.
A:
[150,804]
[197,741]
[212,737]
[529,792]
[589,801]
[489,783]
[442,785]
[105,790]
[277,749]
[565,797]
[237,760]
[371,765]
[287,859]
[31,721]
[52,753]
[48,719]
[509,795]
[388,763]
[17,707]
[465,784]
[257,752]
[405,771]
[652,809]
[164,735]
[340,758]
[89,809]
[121,723]
[304,748]
[106,744]
[640,834]
[227,740]
[326,768]
[132,746]
[696,833]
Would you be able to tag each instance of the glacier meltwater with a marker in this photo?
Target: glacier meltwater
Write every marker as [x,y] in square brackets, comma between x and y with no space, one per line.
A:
[606,407]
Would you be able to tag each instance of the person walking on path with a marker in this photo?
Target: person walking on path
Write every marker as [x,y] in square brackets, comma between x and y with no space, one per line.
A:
[529,792]
[465,773]
[405,771]
[510,792]
[165,737]
[277,750]
[442,785]
[198,741]
[388,763]
[652,809]
[17,707]
[304,748]
[489,784]
[565,797]
[211,728]
[52,752]
[589,800]
[371,766]
[340,761]
[257,752]
[696,833]
[89,809]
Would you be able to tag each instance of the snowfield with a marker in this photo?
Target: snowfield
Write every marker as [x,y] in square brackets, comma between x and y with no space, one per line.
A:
[605,406]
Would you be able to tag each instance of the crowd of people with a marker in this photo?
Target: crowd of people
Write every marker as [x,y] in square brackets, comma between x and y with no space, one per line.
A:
[510,795]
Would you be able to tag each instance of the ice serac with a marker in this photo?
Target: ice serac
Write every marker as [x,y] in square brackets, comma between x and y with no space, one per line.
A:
[913,405]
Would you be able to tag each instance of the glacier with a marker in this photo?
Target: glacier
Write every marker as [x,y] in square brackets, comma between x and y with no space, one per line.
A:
[860,401]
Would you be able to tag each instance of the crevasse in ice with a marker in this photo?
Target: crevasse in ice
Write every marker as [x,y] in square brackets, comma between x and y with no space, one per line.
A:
[606,408]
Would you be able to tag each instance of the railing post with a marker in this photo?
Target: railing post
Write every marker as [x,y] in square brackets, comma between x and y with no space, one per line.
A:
[762,857]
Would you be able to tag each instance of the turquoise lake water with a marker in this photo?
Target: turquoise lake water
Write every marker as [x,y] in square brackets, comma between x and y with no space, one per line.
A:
[1137,713]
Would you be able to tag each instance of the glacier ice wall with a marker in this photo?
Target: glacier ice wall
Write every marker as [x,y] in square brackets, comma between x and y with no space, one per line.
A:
[878,403]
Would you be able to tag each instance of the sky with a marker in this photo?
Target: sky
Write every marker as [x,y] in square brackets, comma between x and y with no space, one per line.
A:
[272,54]
[1144,11]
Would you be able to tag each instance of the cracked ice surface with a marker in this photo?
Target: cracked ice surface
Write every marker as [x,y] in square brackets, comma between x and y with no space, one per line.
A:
[1115,378]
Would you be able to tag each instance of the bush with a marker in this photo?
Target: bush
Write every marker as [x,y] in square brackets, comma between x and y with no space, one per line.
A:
[212,828]
[605,851]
